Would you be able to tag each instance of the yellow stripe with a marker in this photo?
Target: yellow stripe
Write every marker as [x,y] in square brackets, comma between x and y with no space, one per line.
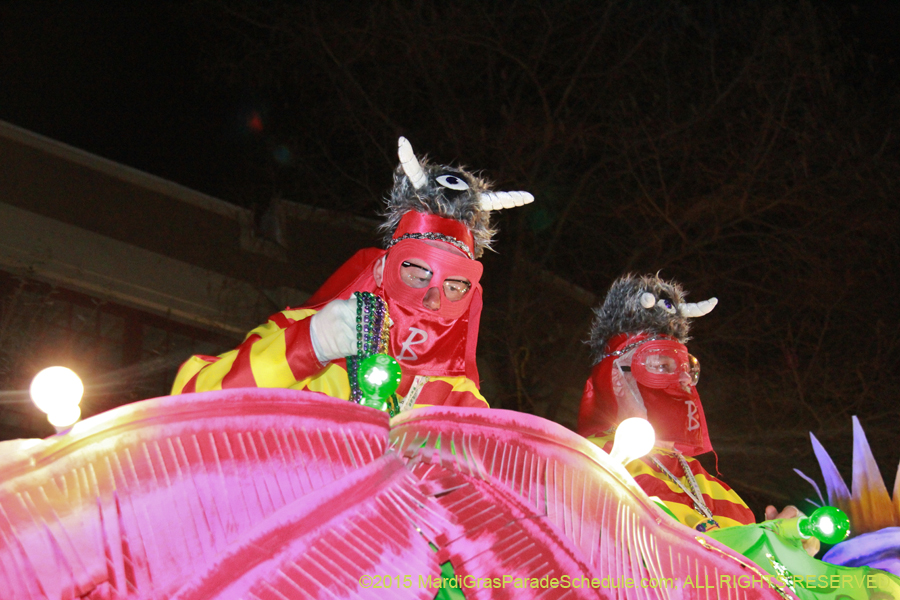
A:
[462,384]
[726,522]
[210,378]
[710,487]
[298,314]
[270,327]
[459,384]
[186,372]
[268,355]
[268,361]
[332,380]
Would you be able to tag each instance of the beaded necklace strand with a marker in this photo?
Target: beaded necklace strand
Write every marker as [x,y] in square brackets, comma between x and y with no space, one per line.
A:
[372,336]
[693,493]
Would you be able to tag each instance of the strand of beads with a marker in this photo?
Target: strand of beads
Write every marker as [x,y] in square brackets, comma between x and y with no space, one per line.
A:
[374,376]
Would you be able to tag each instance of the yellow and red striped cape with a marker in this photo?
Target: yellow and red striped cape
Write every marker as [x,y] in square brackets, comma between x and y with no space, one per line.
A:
[727,507]
[275,355]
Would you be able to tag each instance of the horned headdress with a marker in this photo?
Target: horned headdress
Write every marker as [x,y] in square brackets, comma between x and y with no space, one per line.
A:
[448,192]
[644,304]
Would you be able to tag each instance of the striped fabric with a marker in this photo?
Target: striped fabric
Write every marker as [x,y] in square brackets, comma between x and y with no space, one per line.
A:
[727,507]
[279,354]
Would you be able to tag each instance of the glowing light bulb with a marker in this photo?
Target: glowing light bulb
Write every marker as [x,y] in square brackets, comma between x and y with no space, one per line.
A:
[827,523]
[64,417]
[379,376]
[57,391]
[634,438]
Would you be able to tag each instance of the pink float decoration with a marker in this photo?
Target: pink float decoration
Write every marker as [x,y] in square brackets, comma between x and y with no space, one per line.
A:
[267,493]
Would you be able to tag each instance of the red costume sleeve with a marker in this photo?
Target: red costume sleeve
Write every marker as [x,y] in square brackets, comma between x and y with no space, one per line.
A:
[276,354]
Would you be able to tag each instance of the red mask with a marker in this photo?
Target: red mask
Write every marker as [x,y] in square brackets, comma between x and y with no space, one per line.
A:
[675,413]
[423,339]
[664,364]
[443,264]
[436,343]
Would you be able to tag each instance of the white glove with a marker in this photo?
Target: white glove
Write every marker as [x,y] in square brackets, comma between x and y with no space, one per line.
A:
[333,330]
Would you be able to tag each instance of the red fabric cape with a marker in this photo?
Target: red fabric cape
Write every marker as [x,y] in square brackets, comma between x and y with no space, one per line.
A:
[355,275]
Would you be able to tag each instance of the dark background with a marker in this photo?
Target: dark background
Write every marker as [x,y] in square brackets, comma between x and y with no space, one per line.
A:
[746,149]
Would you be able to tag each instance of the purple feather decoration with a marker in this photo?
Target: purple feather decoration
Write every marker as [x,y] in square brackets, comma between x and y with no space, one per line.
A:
[838,494]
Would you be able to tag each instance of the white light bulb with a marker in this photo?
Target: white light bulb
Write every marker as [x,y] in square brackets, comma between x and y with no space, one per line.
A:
[634,438]
[57,392]
[64,417]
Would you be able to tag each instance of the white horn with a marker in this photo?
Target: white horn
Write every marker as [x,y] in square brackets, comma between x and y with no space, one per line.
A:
[501,200]
[648,300]
[410,164]
[698,309]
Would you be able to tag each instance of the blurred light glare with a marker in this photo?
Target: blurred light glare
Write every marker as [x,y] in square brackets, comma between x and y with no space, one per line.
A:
[377,376]
[634,438]
[64,417]
[255,122]
[282,155]
[57,389]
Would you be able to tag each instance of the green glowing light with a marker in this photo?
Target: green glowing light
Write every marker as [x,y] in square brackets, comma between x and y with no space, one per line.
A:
[379,377]
[829,524]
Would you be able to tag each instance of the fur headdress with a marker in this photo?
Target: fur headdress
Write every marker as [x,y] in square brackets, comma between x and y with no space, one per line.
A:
[645,304]
[444,191]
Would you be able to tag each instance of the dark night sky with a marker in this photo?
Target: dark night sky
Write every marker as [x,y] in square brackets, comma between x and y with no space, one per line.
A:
[125,81]
[120,80]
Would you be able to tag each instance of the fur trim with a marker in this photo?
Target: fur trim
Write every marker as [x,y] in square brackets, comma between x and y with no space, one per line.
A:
[435,199]
[622,311]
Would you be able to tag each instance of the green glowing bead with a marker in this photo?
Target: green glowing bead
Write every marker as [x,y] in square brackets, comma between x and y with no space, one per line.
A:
[379,377]
[374,403]
[829,524]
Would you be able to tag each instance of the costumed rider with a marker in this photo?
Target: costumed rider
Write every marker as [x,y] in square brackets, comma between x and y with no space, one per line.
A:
[418,300]
[643,369]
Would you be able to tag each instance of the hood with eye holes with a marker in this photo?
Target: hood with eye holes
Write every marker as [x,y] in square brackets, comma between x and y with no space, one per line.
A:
[639,304]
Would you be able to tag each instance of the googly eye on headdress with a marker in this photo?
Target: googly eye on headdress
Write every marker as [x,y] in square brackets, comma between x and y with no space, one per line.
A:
[648,301]
[445,191]
[454,182]
[666,305]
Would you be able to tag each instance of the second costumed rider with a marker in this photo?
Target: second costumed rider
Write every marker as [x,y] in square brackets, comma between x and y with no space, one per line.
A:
[417,300]
[643,369]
